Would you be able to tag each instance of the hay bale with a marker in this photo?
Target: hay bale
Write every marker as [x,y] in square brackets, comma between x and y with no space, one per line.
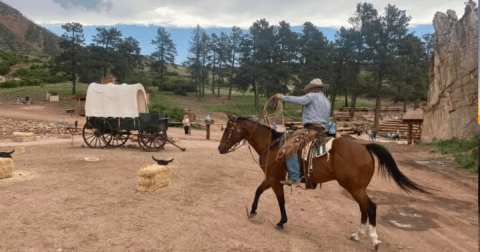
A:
[6,168]
[24,137]
[153,177]
[19,150]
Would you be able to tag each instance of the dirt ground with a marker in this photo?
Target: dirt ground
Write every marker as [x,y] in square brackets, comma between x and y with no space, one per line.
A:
[62,203]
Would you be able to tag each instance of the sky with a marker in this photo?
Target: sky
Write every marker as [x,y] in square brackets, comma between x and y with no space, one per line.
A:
[141,18]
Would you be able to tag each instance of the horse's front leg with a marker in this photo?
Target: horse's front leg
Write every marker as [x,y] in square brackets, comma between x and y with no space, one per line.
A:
[278,189]
[263,186]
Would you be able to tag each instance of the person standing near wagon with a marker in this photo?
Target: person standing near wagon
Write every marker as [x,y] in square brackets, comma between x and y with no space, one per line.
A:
[315,117]
[186,124]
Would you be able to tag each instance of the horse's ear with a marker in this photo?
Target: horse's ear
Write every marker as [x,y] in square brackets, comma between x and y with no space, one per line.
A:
[230,118]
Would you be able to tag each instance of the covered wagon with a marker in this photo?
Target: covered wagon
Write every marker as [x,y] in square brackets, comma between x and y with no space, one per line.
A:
[113,112]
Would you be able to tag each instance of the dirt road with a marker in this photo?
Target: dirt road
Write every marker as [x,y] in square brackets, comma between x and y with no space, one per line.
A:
[61,203]
[66,204]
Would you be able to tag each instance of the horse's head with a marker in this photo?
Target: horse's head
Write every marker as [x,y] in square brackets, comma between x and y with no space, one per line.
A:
[233,134]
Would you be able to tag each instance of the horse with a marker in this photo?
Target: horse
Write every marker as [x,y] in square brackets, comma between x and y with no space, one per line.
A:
[353,173]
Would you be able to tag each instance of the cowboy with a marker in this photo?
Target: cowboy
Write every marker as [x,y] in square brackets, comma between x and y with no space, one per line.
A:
[315,116]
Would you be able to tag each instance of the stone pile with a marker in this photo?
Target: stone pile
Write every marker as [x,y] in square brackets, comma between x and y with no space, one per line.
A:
[8,126]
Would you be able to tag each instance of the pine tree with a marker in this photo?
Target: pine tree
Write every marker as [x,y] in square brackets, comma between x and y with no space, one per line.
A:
[164,54]
[108,39]
[71,44]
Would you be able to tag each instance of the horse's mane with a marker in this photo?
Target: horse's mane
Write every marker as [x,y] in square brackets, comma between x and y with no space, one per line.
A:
[275,134]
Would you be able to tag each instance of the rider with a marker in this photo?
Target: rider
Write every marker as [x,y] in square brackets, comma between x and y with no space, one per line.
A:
[315,116]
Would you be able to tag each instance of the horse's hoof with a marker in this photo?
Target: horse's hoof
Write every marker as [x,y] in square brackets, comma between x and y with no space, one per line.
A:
[253,215]
[377,246]
[354,238]
[279,226]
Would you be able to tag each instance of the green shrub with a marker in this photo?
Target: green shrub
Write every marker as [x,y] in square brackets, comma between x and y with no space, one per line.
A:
[180,91]
[29,82]
[464,151]
[4,69]
[56,79]
[9,84]
[22,72]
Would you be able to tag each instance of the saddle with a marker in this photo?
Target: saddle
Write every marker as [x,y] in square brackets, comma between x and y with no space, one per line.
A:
[315,149]
[303,142]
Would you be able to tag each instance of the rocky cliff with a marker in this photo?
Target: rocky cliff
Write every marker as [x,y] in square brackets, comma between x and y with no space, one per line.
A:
[18,34]
[452,110]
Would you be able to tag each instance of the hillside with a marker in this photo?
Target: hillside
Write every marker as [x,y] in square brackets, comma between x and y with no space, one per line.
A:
[18,34]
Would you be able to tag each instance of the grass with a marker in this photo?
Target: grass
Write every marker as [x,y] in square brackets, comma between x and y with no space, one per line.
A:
[244,105]
[64,89]
[464,151]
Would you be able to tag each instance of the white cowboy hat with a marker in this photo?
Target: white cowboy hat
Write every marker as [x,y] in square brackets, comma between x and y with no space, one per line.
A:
[315,83]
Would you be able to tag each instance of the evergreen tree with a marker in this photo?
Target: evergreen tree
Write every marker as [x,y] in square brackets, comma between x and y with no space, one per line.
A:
[213,57]
[108,39]
[128,57]
[164,54]
[71,44]
[236,38]
[384,36]
[193,62]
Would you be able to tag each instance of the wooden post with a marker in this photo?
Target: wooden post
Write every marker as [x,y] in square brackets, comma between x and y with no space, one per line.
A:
[208,131]
[77,108]
[410,129]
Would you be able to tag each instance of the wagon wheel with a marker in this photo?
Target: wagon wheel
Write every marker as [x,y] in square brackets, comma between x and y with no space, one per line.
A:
[151,138]
[99,135]
[119,138]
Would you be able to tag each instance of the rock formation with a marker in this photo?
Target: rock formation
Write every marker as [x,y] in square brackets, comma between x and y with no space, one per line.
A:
[451,112]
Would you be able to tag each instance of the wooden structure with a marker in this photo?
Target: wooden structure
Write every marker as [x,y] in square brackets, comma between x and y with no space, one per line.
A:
[79,106]
[108,80]
[413,118]
[207,126]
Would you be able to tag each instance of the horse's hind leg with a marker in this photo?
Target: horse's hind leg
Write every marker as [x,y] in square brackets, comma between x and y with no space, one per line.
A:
[278,189]
[368,209]
[372,219]
[362,199]
[263,186]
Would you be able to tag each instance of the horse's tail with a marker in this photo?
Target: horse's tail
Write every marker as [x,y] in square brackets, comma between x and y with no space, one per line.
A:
[388,166]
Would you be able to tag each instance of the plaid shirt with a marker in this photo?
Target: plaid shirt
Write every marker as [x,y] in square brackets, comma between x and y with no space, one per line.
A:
[316,107]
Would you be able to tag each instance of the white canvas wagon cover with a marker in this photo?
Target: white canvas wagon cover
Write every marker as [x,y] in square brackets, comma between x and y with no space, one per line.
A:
[109,100]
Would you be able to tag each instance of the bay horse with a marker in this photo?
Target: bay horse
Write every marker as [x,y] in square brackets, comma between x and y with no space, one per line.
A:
[351,163]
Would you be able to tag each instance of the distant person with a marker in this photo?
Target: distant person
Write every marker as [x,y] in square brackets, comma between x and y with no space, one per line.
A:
[332,127]
[186,125]
[373,135]
[208,119]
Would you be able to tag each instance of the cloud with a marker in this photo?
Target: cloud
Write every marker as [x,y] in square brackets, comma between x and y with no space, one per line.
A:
[216,13]
[88,5]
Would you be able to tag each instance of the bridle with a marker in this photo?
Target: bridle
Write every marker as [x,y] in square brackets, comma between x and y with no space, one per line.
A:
[237,145]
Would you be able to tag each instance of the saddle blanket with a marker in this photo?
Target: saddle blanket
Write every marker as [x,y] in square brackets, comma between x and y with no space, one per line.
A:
[319,151]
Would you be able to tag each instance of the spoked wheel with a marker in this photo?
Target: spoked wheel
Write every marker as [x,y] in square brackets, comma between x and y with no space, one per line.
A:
[119,138]
[98,135]
[151,138]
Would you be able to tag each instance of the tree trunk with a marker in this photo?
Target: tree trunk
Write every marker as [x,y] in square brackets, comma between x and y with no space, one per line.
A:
[354,103]
[160,86]
[332,108]
[405,105]
[378,103]
[346,98]
[213,73]
[73,63]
